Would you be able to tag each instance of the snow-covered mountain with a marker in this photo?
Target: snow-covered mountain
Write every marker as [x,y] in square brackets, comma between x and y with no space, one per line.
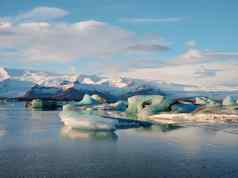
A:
[33,84]
[29,84]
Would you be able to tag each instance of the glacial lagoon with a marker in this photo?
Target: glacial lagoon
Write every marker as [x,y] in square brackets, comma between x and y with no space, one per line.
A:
[37,144]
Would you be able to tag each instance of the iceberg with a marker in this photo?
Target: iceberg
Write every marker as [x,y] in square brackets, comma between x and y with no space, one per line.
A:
[183,108]
[87,100]
[146,105]
[119,106]
[37,103]
[229,101]
[145,113]
[137,103]
[206,101]
[69,107]
[86,120]
[98,99]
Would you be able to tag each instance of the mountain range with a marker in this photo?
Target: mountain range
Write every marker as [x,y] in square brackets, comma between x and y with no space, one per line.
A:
[29,84]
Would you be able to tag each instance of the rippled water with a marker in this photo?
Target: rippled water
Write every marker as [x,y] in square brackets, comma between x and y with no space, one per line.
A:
[36,144]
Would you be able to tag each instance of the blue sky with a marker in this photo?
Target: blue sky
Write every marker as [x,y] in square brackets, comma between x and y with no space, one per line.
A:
[211,23]
[109,36]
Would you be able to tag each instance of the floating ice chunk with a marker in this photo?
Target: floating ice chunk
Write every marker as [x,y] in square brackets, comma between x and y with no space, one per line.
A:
[69,107]
[183,108]
[86,121]
[144,106]
[206,101]
[119,106]
[229,101]
[98,99]
[87,100]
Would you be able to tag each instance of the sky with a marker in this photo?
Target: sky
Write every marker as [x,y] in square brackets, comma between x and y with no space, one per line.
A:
[187,42]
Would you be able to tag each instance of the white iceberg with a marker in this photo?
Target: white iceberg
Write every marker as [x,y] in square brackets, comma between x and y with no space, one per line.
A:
[229,101]
[86,121]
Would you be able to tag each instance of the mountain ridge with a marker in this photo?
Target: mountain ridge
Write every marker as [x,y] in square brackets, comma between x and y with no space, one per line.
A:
[30,84]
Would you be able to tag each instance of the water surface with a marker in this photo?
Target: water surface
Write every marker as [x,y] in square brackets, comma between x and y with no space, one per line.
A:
[36,144]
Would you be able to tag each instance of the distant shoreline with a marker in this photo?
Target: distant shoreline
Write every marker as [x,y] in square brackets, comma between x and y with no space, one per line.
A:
[197,118]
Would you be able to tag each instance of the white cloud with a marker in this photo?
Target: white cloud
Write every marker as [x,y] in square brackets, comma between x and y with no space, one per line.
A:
[43,41]
[198,56]
[189,56]
[91,24]
[191,44]
[37,37]
[33,37]
[202,69]
[42,14]
[33,25]
[151,20]
[4,25]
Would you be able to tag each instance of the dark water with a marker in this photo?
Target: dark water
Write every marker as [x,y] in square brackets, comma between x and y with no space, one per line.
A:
[35,144]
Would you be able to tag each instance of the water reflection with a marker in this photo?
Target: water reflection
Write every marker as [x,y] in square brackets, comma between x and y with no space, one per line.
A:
[160,128]
[2,132]
[78,134]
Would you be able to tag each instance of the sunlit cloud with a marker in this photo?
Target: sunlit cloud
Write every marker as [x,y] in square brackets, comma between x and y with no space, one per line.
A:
[38,36]
[202,69]
[42,14]
[195,55]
